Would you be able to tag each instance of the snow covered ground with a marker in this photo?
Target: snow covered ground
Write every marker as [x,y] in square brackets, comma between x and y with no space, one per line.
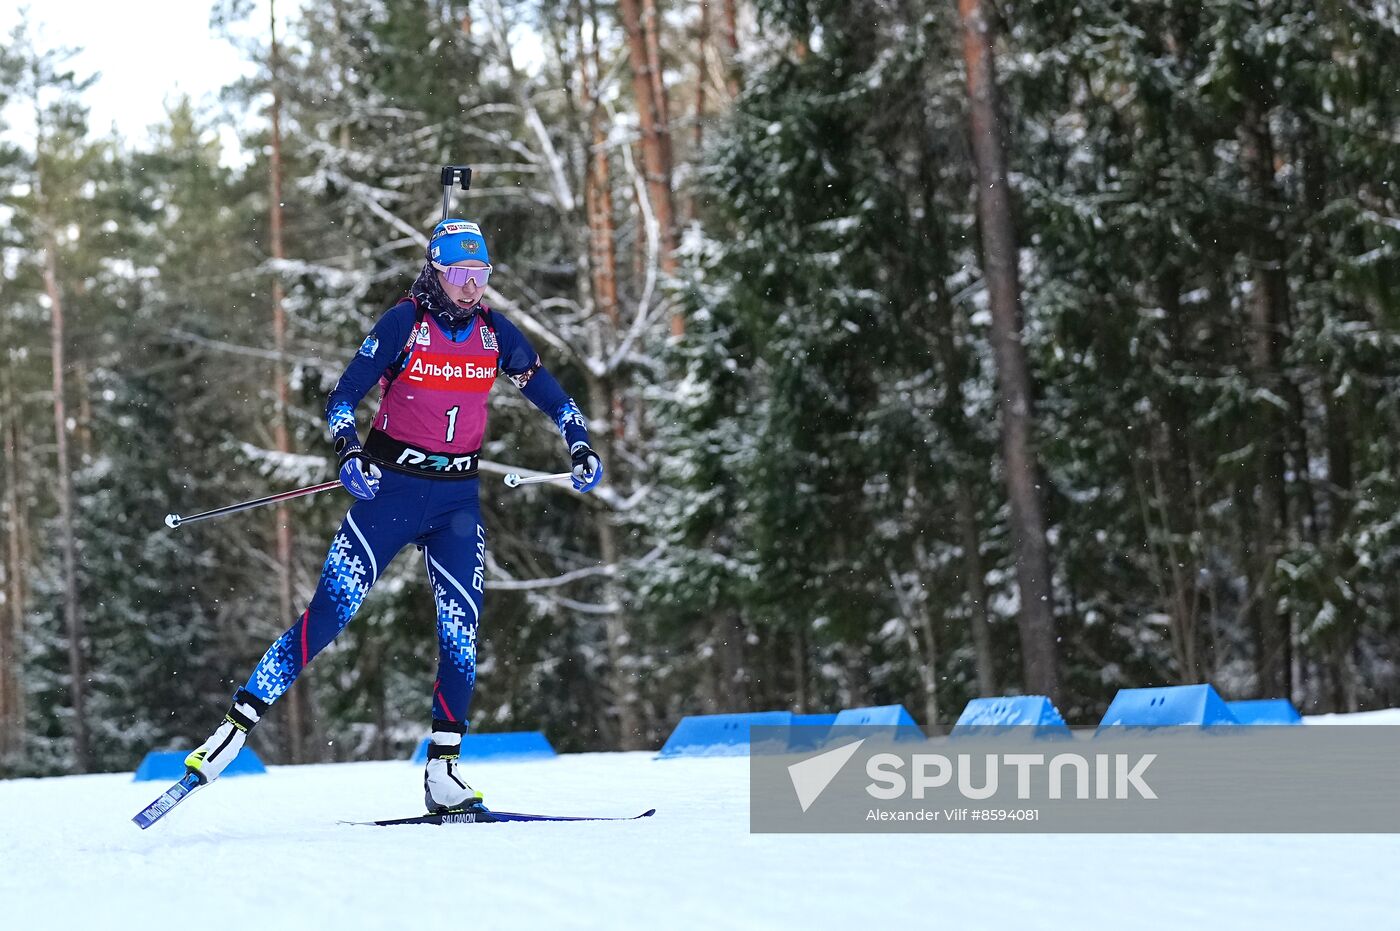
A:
[1384,716]
[266,852]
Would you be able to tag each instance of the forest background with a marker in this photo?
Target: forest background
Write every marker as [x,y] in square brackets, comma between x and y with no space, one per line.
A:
[935,349]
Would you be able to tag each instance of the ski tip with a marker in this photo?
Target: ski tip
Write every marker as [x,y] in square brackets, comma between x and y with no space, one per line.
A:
[648,813]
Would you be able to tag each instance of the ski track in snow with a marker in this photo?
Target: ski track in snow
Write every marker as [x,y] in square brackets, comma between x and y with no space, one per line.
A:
[267,853]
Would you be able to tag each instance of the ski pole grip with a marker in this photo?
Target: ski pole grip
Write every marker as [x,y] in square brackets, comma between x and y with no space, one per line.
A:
[515,479]
[451,173]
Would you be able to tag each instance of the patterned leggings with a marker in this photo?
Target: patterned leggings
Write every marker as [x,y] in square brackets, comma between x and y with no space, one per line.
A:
[442,517]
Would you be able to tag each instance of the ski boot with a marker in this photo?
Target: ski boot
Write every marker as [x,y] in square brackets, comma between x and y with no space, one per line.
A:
[212,756]
[444,791]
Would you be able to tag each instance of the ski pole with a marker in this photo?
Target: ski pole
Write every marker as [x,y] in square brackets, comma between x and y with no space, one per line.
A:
[513,480]
[175,520]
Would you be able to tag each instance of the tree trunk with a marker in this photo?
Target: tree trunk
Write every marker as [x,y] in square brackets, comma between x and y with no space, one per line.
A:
[949,350]
[1175,482]
[22,556]
[656,72]
[1014,396]
[1340,486]
[802,671]
[83,428]
[697,139]
[598,202]
[727,669]
[965,499]
[602,284]
[621,677]
[598,205]
[919,631]
[9,660]
[12,623]
[282,516]
[1268,309]
[649,90]
[72,619]
[730,29]
[973,569]
[381,701]
[1337,439]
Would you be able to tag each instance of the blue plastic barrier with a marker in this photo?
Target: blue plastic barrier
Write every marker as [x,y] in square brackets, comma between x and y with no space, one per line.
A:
[1167,706]
[512,745]
[809,731]
[996,715]
[895,718]
[1265,711]
[721,734]
[728,734]
[169,765]
[883,715]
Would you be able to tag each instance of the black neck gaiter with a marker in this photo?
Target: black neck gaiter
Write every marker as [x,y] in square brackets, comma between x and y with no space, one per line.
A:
[428,292]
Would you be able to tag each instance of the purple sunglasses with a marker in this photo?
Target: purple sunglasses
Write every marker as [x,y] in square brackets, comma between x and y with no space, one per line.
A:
[461,274]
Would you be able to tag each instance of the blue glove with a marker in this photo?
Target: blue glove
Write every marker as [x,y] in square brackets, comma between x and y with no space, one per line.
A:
[358,474]
[588,468]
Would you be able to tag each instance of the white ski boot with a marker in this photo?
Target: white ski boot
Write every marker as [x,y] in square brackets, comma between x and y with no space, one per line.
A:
[443,788]
[213,756]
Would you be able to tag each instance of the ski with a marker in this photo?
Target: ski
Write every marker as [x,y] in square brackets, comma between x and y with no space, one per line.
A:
[168,799]
[488,816]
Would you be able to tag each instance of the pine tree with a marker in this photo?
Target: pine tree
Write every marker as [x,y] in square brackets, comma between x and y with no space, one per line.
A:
[814,513]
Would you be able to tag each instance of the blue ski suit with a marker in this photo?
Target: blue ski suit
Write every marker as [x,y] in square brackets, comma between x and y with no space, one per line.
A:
[424,499]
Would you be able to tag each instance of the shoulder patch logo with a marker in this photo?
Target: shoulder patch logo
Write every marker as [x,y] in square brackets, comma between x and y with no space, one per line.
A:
[370,346]
[423,338]
[488,339]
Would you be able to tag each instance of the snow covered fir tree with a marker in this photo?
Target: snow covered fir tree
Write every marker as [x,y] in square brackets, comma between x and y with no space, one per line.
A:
[935,351]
